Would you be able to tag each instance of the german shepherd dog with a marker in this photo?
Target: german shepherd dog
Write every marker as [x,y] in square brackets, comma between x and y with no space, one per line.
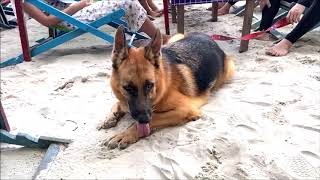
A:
[163,86]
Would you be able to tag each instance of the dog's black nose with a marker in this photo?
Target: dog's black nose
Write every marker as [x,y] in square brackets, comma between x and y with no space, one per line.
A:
[142,117]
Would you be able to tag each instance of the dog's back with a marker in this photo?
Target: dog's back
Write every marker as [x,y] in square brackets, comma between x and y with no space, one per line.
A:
[201,55]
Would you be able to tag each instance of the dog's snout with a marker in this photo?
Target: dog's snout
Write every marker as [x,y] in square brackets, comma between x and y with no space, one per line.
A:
[142,116]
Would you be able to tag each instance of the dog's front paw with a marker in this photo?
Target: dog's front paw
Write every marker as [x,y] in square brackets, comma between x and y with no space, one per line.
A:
[111,120]
[124,139]
[108,123]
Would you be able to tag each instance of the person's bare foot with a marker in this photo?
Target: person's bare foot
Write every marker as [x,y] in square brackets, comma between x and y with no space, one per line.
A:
[155,14]
[280,49]
[154,7]
[219,6]
[224,9]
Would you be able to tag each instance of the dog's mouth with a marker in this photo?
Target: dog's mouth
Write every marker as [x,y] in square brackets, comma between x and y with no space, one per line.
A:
[143,129]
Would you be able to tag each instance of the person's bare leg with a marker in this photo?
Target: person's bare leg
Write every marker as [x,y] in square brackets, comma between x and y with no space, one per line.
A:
[154,7]
[224,9]
[220,5]
[150,12]
[150,29]
[280,49]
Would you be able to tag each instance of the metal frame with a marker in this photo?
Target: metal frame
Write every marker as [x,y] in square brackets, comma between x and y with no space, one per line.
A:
[4,22]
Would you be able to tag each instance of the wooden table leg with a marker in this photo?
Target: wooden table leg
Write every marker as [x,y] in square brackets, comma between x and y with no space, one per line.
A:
[22,31]
[246,27]
[180,25]
[174,13]
[166,16]
[214,9]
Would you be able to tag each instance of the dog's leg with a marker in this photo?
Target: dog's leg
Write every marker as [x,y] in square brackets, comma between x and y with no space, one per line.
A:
[178,116]
[113,117]
[184,111]
[124,139]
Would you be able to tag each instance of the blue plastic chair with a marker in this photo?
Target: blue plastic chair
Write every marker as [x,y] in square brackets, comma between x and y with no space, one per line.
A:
[59,37]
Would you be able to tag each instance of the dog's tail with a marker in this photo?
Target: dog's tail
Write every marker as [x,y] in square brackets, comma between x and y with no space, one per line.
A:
[175,38]
[227,73]
[229,68]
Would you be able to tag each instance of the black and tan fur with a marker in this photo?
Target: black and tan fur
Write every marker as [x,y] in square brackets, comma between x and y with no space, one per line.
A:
[164,86]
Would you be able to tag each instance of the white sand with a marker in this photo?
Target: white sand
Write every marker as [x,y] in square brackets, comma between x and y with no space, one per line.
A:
[264,124]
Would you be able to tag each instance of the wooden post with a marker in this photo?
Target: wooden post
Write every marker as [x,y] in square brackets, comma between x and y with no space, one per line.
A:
[214,10]
[246,27]
[180,25]
[174,13]
[166,16]
[22,31]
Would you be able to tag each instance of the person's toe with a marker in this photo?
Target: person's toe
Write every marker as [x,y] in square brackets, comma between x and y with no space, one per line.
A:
[268,52]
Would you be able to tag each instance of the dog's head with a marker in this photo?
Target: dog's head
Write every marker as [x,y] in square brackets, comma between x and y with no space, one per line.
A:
[135,70]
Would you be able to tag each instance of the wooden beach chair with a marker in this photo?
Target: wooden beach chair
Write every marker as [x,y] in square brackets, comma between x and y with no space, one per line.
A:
[58,37]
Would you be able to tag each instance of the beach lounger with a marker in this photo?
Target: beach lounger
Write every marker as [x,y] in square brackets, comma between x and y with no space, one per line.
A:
[4,12]
[58,37]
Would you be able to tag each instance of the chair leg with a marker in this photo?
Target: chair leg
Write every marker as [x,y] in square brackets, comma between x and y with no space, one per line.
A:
[166,16]
[174,13]
[214,14]
[180,13]
[246,27]
[22,31]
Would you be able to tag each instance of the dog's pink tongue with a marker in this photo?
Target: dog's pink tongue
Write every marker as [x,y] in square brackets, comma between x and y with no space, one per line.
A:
[143,129]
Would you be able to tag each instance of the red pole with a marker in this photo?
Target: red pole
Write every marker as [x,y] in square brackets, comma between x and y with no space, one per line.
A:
[166,16]
[4,118]
[22,31]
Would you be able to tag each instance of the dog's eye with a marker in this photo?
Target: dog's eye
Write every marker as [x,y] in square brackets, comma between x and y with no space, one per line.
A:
[148,86]
[130,89]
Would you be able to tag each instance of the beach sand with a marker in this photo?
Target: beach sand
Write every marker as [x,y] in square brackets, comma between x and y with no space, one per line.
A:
[263,124]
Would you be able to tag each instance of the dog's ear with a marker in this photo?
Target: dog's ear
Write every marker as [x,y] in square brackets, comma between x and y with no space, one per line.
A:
[120,48]
[153,50]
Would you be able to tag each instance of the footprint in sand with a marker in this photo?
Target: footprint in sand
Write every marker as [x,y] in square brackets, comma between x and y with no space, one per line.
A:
[312,158]
[248,133]
[316,77]
[306,60]
[298,167]
[276,112]
[102,74]
[307,128]
[69,83]
[44,112]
